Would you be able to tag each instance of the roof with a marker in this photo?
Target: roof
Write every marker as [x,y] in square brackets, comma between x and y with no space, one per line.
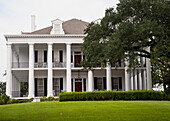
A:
[73,26]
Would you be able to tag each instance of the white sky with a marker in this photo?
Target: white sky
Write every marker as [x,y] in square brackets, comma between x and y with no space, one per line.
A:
[15,16]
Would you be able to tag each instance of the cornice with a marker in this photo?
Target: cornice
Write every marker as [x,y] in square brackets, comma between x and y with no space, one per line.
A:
[46,36]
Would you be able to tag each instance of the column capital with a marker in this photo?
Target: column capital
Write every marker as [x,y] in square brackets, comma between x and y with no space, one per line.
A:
[68,43]
[50,43]
[31,43]
[8,44]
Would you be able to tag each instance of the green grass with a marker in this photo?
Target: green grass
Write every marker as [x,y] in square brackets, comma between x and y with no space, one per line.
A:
[88,111]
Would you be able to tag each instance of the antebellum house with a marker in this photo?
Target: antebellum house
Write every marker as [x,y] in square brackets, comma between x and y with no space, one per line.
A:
[48,60]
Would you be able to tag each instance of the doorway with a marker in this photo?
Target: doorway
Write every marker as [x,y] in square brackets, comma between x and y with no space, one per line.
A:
[78,86]
[77,60]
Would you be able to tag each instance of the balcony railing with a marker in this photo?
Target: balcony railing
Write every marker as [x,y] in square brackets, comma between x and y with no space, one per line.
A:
[40,65]
[19,94]
[59,64]
[20,64]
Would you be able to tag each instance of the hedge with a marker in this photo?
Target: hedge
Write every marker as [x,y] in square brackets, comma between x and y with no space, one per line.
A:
[112,95]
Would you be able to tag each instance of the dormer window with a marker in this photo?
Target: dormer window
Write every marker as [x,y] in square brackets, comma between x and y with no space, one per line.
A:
[57,27]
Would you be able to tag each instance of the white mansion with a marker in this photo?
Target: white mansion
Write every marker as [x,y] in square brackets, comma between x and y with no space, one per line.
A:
[49,61]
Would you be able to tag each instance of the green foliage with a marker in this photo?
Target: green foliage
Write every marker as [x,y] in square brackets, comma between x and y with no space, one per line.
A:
[25,100]
[12,101]
[112,95]
[2,88]
[43,99]
[50,98]
[4,99]
[134,26]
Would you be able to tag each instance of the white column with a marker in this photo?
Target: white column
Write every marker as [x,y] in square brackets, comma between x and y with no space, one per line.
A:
[144,79]
[82,85]
[131,79]
[136,80]
[64,83]
[19,88]
[143,61]
[108,75]
[123,83]
[9,74]
[86,84]
[140,79]
[50,71]
[68,67]
[74,85]
[127,77]
[31,70]
[148,71]
[90,80]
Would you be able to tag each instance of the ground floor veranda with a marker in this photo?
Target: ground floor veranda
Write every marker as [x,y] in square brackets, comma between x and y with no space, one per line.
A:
[79,81]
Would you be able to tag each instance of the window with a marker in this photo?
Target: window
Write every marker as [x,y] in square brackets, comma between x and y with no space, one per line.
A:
[61,84]
[61,55]
[104,83]
[115,83]
[36,56]
[56,86]
[72,85]
[45,56]
[53,56]
[98,83]
[84,82]
[45,86]
[71,57]
[120,83]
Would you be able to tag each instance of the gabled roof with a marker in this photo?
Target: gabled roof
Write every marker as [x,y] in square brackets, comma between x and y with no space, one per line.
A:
[73,26]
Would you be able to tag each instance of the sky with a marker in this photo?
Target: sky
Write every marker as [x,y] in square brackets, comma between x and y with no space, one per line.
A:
[15,16]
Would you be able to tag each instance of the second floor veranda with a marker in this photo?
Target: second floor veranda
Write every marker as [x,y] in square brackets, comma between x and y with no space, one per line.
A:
[20,56]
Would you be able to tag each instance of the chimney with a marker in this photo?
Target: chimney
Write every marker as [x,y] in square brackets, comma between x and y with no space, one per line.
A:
[33,26]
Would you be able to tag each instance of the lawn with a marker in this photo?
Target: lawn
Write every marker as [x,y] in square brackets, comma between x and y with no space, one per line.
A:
[87,111]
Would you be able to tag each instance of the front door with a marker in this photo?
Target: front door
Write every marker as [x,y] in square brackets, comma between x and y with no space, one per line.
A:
[77,60]
[78,86]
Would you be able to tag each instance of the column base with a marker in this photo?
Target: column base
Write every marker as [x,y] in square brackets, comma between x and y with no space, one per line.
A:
[31,96]
[50,95]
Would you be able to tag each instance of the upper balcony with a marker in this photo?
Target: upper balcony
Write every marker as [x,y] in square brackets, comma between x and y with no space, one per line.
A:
[59,64]
[20,57]
[41,65]
[20,64]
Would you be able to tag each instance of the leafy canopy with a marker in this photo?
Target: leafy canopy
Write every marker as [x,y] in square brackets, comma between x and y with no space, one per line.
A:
[131,28]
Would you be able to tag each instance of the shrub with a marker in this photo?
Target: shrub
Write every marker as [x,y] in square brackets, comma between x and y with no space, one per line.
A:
[1,102]
[25,100]
[31,99]
[50,98]
[43,99]
[4,99]
[12,101]
[112,95]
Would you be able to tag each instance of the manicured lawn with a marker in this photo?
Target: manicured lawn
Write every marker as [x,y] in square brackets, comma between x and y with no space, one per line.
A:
[88,111]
